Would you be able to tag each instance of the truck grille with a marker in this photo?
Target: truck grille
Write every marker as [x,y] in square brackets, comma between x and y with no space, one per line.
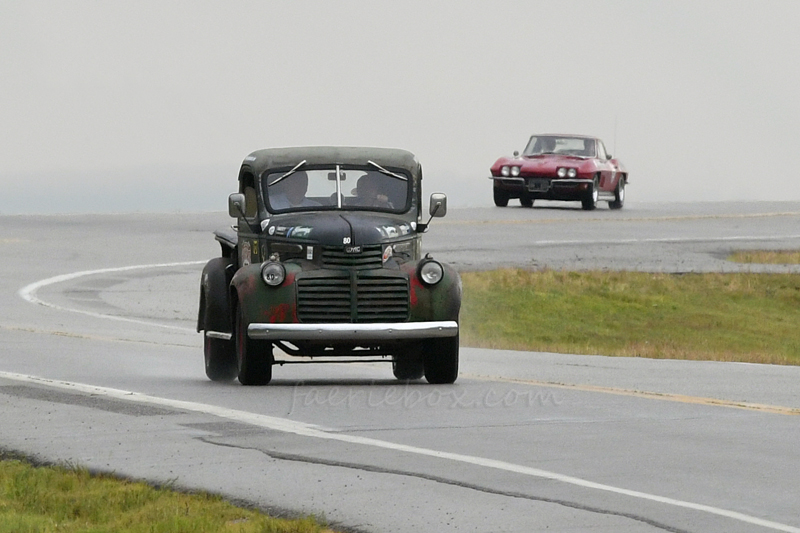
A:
[373,299]
[370,257]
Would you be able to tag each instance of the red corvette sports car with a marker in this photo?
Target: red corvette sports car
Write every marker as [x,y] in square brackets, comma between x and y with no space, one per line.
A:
[560,167]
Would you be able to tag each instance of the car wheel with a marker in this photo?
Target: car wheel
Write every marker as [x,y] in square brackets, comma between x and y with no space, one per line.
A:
[500,197]
[220,358]
[254,358]
[440,359]
[408,365]
[619,195]
[526,201]
[590,200]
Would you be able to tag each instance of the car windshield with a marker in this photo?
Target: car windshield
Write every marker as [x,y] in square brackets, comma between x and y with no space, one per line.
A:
[336,188]
[555,144]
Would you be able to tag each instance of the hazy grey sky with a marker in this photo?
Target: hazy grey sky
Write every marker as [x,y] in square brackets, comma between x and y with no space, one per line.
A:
[152,105]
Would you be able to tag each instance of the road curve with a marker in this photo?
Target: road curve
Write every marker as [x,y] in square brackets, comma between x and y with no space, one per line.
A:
[100,366]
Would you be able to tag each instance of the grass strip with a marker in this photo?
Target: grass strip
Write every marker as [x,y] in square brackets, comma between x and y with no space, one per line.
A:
[71,500]
[766,257]
[706,316]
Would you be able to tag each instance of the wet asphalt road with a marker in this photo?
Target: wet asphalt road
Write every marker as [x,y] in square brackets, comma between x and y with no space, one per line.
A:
[104,370]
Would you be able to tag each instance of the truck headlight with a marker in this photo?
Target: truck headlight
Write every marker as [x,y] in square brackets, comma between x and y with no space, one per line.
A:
[515,171]
[504,171]
[572,173]
[430,272]
[273,274]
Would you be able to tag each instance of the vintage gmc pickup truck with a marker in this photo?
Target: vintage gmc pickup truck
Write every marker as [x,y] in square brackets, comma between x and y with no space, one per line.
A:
[324,263]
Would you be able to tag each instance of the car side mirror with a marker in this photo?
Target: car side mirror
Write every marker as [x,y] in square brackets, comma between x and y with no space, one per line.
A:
[236,204]
[436,208]
[608,156]
[438,205]
[516,153]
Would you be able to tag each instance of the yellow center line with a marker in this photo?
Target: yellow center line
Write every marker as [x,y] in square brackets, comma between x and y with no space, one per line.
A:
[680,398]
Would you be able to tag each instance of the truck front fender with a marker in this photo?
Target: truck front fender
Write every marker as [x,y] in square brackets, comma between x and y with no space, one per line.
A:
[214,311]
[434,302]
[261,303]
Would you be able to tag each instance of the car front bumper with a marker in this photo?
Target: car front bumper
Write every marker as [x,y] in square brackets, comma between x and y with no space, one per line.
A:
[353,331]
[543,187]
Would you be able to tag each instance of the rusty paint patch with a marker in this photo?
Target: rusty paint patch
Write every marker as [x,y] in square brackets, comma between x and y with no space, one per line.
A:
[280,313]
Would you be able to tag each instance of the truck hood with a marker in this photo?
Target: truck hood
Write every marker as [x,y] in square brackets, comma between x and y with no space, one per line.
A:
[335,228]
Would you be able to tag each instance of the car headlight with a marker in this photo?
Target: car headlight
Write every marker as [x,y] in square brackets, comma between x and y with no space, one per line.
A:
[562,172]
[273,274]
[515,171]
[430,272]
[504,171]
[572,173]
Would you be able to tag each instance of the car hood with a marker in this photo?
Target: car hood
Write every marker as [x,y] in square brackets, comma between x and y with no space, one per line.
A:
[542,162]
[551,162]
[339,228]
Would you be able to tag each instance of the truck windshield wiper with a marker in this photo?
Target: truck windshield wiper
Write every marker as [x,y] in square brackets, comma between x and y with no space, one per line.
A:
[295,169]
[387,172]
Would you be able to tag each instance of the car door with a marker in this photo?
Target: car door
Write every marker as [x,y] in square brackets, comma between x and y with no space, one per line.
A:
[608,171]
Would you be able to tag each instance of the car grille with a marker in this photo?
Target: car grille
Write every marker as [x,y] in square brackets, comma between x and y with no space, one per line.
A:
[374,299]
[370,257]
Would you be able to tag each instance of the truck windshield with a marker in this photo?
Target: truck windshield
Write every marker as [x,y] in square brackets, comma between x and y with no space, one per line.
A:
[332,188]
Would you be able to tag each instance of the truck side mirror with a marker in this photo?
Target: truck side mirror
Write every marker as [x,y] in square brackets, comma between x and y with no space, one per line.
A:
[438,205]
[236,205]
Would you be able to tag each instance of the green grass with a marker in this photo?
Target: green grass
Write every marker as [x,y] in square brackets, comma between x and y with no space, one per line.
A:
[723,317]
[71,500]
[770,257]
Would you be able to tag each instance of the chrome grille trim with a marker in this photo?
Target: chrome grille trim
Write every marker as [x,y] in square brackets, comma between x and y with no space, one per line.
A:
[371,257]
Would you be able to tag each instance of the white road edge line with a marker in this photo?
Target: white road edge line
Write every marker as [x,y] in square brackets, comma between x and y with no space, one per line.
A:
[28,292]
[313,431]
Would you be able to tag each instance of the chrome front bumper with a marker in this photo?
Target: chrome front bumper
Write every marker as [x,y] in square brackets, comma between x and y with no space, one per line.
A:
[508,180]
[353,332]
